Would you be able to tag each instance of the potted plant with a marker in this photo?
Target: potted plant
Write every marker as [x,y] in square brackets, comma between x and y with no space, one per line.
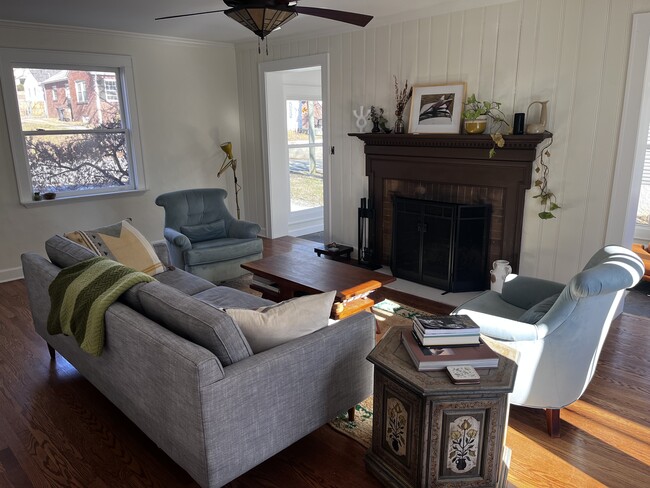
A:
[476,115]
[376,116]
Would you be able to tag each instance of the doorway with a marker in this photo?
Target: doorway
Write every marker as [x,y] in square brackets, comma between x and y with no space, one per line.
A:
[294,107]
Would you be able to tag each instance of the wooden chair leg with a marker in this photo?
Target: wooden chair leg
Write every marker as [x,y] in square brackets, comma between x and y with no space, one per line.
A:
[52,352]
[553,422]
[351,414]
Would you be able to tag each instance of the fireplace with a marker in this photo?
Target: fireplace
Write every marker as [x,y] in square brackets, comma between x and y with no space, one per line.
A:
[452,168]
[440,244]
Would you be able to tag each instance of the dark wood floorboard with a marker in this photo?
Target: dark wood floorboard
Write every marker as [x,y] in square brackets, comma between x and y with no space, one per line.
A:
[56,429]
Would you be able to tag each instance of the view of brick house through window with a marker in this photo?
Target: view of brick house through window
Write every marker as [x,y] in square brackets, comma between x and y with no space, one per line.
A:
[73,129]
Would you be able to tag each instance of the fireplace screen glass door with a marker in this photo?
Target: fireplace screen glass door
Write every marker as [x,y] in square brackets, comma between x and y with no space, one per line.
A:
[440,244]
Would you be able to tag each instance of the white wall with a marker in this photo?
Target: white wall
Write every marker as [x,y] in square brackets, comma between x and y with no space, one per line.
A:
[571,52]
[187,101]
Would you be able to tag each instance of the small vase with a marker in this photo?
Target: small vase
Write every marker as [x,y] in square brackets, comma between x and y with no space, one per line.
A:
[375,127]
[476,126]
[399,125]
[500,269]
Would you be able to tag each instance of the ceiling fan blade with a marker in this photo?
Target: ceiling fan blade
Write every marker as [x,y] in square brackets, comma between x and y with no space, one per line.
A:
[348,17]
[189,15]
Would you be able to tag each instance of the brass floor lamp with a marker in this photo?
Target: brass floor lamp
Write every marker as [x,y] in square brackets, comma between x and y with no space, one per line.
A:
[230,162]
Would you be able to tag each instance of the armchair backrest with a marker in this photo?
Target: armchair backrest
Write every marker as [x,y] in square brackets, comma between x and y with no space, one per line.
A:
[562,363]
[194,207]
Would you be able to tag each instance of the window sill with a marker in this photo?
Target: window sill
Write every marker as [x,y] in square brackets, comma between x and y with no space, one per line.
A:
[80,198]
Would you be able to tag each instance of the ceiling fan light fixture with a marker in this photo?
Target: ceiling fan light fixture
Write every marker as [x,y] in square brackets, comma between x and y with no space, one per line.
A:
[261,20]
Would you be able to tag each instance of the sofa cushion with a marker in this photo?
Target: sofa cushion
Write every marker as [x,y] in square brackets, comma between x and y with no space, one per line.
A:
[207,252]
[271,326]
[123,243]
[535,313]
[226,297]
[183,281]
[195,321]
[63,252]
[205,232]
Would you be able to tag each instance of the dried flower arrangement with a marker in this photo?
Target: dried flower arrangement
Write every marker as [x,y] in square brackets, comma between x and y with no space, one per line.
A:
[402,96]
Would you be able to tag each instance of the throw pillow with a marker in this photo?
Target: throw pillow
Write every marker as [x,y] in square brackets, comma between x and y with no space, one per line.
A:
[205,232]
[123,243]
[268,327]
[535,313]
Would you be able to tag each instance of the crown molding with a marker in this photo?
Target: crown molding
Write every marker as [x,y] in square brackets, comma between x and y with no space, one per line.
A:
[13,24]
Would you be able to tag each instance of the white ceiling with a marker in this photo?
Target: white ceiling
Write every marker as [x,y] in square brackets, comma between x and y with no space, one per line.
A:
[138,15]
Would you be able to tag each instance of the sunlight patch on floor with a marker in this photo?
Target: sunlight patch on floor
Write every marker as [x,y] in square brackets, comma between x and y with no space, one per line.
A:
[625,435]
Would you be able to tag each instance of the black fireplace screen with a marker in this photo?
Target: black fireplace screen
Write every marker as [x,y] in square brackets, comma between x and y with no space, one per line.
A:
[440,244]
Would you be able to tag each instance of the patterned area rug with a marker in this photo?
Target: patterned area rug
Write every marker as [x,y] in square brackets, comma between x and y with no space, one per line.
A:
[388,314]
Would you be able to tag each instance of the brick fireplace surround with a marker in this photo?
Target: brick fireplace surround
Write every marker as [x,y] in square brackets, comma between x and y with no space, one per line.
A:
[453,168]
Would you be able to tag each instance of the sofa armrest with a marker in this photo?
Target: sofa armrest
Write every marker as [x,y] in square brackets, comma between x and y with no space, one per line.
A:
[162,251]
[525,291]
[268,401]
[241,229]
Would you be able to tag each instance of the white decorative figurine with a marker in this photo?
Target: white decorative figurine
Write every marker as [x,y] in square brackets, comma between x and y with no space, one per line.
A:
[362,118]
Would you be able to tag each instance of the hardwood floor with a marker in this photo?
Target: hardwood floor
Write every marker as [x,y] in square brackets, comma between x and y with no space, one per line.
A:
[56,429]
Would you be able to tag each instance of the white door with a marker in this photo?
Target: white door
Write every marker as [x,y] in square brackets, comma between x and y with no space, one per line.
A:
[294,99]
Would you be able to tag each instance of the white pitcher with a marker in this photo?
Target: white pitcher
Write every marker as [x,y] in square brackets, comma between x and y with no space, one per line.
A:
[500,269]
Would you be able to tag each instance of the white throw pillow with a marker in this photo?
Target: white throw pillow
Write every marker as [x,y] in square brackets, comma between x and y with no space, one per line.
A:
[268,327]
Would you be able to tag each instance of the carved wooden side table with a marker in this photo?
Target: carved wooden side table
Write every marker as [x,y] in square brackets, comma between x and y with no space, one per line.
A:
[428,432]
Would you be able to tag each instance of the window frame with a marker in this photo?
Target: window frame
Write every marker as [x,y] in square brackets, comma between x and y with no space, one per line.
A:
[82,84]
[113,91]
[30,58]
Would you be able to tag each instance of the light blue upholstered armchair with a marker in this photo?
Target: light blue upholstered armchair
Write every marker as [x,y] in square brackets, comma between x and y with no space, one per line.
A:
[203,238]
[558,330]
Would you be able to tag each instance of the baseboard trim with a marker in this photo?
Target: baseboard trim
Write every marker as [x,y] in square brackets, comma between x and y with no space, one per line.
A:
[11,274]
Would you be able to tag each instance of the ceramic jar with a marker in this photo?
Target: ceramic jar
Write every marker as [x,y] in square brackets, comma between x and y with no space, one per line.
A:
[500,269]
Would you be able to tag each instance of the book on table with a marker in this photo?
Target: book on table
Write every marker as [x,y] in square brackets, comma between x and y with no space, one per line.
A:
[445,340]
[438,358]
[452,325]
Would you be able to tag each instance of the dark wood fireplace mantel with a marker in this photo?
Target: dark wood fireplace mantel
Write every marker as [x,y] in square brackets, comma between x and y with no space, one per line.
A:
[455,168]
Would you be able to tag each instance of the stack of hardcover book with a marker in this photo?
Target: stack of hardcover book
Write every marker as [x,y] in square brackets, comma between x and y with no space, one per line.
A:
[437,342]
[445,330]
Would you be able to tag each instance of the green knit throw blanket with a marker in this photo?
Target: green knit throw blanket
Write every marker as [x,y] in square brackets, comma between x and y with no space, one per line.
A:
[80,295]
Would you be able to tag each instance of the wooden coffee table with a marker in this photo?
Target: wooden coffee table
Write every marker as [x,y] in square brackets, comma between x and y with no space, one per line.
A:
[288,275]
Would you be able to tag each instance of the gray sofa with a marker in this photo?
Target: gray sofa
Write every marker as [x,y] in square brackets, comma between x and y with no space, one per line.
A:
[217,418]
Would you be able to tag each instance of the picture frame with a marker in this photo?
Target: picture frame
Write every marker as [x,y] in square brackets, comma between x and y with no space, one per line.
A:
[436,109]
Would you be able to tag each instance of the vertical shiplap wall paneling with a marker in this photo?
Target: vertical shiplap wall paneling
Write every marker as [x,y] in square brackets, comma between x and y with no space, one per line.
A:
[363,62]
[345,196]
[423,62]
[470,54]
[544,86]
[409,60]
[579,168]
[507,54]
[455,47]
[489,55]
[256,136]
[563,121]
[614,75]
[439,48]
[523,94]
[336,123]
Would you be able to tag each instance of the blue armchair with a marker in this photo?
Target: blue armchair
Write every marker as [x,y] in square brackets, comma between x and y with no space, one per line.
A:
[203,238]
[557,330]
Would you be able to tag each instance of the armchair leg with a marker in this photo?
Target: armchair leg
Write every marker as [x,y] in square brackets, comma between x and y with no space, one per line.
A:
[52,352]
[553,422]
[351,414]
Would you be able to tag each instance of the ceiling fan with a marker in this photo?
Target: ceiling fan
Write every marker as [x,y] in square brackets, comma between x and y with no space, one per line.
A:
[264,16]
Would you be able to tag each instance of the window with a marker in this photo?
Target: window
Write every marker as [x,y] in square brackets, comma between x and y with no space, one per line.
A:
[642,230]
[80,88]
[305,146]
[73,149]
[110,90]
